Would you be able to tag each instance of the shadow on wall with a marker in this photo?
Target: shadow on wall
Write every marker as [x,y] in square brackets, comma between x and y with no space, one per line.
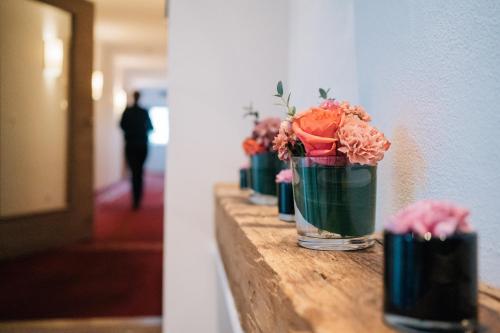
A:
[409,167]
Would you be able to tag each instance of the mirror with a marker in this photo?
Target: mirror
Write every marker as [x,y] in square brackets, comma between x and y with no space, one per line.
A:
[35,41]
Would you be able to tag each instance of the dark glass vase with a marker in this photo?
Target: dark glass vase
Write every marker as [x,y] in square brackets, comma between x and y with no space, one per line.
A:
[285,202]
[431,284]
[334,204]
[244,181]
[264,168]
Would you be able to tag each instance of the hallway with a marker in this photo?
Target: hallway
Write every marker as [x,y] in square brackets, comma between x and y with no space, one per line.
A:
[117,274]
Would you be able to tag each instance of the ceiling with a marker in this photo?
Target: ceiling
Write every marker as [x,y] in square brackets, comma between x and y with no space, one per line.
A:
[135,31]
[131,22]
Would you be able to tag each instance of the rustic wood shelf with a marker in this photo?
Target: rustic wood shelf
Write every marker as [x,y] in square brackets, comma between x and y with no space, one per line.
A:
[280,287]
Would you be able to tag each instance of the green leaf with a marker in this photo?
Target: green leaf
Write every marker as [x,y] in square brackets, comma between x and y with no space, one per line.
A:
[322,93]
[288,98]
[279,89]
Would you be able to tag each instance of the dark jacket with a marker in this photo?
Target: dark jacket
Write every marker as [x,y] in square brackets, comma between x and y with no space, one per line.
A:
[136,125]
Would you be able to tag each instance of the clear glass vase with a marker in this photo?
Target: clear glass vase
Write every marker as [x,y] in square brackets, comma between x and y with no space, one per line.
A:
[334,203]
[264,168]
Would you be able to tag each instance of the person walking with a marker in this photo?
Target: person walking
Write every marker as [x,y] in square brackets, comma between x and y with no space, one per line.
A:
[136,125]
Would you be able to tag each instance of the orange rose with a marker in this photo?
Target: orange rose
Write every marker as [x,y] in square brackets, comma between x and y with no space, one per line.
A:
[317,129]
[251,147]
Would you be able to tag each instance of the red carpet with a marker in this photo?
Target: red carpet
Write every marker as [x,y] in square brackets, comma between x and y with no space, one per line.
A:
[119,273]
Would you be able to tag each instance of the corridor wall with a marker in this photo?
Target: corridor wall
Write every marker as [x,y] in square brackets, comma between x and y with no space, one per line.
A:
[108,141]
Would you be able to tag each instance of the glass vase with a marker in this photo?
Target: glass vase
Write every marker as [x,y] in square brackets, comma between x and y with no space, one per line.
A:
[244,178]
[334,203]
[431,283]
[286,211]
[263,170]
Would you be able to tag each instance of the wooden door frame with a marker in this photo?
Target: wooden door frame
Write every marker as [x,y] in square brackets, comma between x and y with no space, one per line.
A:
[34,232]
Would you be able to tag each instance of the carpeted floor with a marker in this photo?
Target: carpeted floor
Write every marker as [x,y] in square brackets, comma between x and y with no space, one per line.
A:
[119,273]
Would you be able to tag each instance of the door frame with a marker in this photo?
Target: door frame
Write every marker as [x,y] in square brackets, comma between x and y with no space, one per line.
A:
[39,231]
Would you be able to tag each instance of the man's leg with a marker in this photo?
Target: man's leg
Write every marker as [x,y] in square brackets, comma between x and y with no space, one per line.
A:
[131,152]
[142,152]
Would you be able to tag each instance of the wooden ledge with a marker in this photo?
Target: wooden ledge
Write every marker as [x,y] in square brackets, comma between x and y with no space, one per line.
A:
[280,287]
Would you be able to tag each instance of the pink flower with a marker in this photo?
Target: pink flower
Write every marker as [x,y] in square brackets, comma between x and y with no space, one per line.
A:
[284,140]
[437,218]
[265,131]
[330,104]
[284,176]
[361,142]
[348,109]
[355,110]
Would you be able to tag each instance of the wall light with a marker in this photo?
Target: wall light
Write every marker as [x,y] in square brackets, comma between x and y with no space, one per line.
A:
[97,84]
[119,100]
[53,56]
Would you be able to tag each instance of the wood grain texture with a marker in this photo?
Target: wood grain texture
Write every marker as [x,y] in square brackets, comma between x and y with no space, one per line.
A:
[280,287]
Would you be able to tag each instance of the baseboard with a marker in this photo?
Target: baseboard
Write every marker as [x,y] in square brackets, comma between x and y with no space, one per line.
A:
[230,304]
[94,325]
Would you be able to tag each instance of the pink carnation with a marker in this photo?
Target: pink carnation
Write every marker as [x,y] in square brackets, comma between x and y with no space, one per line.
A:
[330,104]
[265,131]
[355,110]
[439,218]
[361,142]
[284,140]
[348,109]
[284,176]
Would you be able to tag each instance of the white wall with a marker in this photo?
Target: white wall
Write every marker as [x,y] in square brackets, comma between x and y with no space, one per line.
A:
[109,159]
[428,73]
[321,50]
[34,109]
[222,55]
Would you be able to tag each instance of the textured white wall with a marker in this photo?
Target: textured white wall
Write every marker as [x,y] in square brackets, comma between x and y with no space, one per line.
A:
[222,55]
[321,49]
[428,73]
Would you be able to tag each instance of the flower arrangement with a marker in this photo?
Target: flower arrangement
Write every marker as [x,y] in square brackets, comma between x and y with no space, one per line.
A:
[263,133]
[334,152]
[430,218]
[333,128]
[430,253]
[264,162]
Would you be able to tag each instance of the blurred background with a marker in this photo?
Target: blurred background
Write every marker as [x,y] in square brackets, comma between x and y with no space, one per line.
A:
[73,252]
[75,255]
